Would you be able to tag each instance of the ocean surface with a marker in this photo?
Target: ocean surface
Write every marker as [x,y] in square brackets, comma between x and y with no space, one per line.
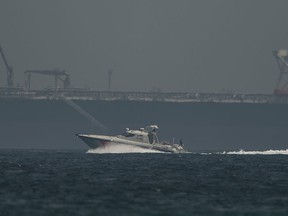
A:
[138,182]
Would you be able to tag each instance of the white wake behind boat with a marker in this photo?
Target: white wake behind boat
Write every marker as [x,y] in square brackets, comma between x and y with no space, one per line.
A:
[145,138]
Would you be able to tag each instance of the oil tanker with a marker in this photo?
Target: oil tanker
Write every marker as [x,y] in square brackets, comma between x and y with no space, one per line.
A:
[50,118]
[46,119]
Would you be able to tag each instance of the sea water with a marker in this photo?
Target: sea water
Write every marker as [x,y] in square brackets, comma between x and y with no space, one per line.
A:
[131,182]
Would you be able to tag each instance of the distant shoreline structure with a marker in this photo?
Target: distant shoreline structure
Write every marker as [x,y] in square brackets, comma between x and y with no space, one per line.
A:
[173,97]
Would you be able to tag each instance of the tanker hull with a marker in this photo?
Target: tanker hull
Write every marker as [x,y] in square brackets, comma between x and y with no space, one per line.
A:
[201,126]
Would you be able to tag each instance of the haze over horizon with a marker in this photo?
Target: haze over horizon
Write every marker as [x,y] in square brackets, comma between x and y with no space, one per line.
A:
[193,46]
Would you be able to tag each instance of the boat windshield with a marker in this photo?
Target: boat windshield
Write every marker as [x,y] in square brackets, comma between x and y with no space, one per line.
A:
[125,134]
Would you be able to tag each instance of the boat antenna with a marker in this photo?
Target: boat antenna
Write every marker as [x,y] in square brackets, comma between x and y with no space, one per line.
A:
[181,143]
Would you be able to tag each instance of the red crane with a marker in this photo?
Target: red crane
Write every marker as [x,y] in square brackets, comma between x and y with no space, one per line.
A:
[9,69]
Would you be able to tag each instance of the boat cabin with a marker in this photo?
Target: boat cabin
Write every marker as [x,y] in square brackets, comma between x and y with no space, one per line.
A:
[147,135]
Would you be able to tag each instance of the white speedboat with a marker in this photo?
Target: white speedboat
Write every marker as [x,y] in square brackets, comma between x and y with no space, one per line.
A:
[144,138]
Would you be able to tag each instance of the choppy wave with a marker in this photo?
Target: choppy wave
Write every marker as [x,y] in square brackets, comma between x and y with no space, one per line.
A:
[121,149]
[266,152]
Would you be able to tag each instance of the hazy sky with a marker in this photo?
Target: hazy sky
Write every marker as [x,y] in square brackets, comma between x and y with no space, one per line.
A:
[174,45]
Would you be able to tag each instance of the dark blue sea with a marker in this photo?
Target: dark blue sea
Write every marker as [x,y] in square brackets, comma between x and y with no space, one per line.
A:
[74,182]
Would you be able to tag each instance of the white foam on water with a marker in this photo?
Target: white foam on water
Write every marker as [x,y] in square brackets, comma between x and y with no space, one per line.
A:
[119,148]
[266,152]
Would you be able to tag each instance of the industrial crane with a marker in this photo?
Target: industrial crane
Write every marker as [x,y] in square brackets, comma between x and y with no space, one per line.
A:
[8,68]
[59,75]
